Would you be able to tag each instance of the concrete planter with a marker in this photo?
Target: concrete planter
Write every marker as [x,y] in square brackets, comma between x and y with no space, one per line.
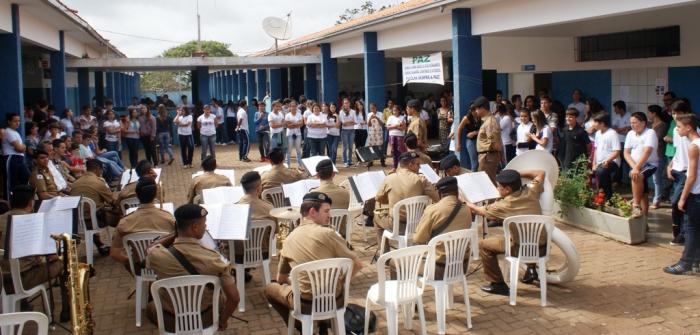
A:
[626,230]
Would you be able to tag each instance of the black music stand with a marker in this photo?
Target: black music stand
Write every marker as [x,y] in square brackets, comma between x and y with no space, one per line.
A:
[368,154]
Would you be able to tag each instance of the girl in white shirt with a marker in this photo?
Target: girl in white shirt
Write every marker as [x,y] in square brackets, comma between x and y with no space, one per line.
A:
[640,153]
[316,131]
[183,121]
[112,129]
[333,123]
[348,119]
[396,124]
[523,141]
[505,120]
[543,137]
[293,121]
[361,125]
[207,123]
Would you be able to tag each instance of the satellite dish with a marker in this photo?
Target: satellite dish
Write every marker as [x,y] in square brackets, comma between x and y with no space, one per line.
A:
[277,28]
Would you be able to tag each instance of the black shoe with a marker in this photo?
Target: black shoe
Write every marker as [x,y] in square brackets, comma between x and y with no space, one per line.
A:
[103,250]
[248,277]
[369,222]
[65,316]
[496,288]
[678,269]
[492,224]
[678,240]
[530,276]
[25,306]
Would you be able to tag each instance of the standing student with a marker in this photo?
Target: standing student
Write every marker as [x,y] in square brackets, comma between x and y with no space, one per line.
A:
[577,104]
[689,199]
[375,133]
[113,131]
[640,154]
[575,140]
[147,134]
[659,124]
[131,133]
[489,145]
[620,122]
[445,118]
[242,127]
[348,119]
[164,129]
[316,131]
[544,137]
[219,113]
[14,168]
[469,126]
[231,121]
[183,121]
[293,121]
[262,129]
[396,124]
[276,123]
[207,123]
[606,157]
[525,128]
[360,125]
[333,137]
[677,172]
[505,121]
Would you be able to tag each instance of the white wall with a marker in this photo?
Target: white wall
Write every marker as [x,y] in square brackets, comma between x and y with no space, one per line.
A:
[37,31]
[415,33]
[637,87]
[521,83]
[72,46]
[5,17]
[352,46]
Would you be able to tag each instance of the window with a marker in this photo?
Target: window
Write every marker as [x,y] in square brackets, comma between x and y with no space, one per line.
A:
[657,42]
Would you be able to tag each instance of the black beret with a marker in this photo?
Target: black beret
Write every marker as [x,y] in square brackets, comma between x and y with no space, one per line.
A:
[413,103]
[507,177]
[324,165]
[190,212]
[480,102]
[250,177]
[318,196]
[408,155]
[145,182]
[409,135]
[448,162]
[446,183]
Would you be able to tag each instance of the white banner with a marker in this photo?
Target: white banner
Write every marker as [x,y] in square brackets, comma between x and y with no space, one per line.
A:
[423,69]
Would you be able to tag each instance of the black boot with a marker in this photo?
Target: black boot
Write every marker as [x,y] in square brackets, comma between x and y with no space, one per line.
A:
[530,275]
[101,248]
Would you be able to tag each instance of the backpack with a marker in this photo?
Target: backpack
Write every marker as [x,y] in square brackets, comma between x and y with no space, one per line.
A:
[355,320]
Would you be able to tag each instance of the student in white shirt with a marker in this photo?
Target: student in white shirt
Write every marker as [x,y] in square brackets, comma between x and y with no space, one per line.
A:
[231,121]
[348,119]
[606,157]
[620,122]
[360,125]
[576,102]
[293,121]
[640,153]
[522,138]
[183,121]
[207,123]
[13,149]
[543,137]
[316,131]
[676,170]
[242,128]
[276,121]
[112,128]
[396,124]
[507,124]
[333,136]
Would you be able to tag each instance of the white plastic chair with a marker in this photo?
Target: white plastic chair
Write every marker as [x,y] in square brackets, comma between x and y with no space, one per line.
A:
[10,320]
[355,208]
[253,256]
[274,195]
[128,203]
[10,302]
[529,228]
[455,245]
[324,276]
[406,291]
[337,218]
[414,210]
[92,230]
[186,293]
[136,244]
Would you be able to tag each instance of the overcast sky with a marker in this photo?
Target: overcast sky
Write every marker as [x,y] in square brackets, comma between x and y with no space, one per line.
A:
[235,22]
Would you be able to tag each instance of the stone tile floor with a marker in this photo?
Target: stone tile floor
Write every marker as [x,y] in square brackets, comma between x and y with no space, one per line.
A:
[620,288]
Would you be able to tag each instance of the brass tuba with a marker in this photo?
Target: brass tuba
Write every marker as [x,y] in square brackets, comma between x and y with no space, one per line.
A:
[77,278]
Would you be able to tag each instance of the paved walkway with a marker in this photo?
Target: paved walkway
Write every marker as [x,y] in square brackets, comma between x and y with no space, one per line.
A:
[619,289]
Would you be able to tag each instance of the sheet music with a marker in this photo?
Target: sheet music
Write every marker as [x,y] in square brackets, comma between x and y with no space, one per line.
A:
[31,233]
[477,187]
[452,145]
[213,218]
[168,207]
[222,194]
[311,162]
[228,221]
[267,167]
[367,184]
[230,174]
[208,242]
[130,176]
[296,190]
[429,173]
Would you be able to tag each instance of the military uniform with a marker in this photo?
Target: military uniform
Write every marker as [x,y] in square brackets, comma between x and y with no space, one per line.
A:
[397,186]
[94,187]
[308,242]
[279,175]
[420,129]
[339,195]
[33,269]
[129,191]
[259,210]
[147,218]
[423,158]
[488,146]
[42,179]
[525,201]
[204,260]
[207,180]
[433,217]
[63,168]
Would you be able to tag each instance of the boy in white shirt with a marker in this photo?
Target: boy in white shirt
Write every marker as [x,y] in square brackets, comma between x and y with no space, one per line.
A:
[242,128]
[640,154]
[606,158]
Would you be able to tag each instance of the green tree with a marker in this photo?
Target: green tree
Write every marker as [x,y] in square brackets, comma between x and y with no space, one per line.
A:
[366,8]
[163,81]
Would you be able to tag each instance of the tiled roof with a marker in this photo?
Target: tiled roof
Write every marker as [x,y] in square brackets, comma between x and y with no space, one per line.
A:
[395,9]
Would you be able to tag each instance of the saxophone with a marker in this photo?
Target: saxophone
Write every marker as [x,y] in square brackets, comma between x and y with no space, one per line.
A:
[77,285]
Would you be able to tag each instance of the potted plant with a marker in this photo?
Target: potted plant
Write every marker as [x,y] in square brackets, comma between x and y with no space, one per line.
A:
[584,207]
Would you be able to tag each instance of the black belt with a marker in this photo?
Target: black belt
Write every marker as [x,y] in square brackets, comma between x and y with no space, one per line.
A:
[487,152]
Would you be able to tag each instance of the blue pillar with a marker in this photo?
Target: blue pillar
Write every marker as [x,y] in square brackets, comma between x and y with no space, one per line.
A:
[117,98]
[275,84]
[137,84]
[99,88]
[216,92]
[285,82]
[124,83]
[195,85]
[310,84]
[234,85]
[296,76]
[83,87]
[204,93]
[329,74]
[241,85]
[109,90]
[261,79]
[222,85]
[227,86]
[58,76]
[11,85]
[466,65]
[250,78]
[374,72]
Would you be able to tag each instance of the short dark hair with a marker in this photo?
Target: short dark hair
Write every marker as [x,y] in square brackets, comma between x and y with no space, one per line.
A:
[209,164]
[603,118]
[572,111]
[276,156]
[39,152]
[411,142]
[671,94]
[77,132]
[142,167]
[146,190]
[640,116]
[57,142]
[688,120]
[183,224]
[655,109]
[10,116]
[250,186]
[546,97]
[21,196]
[325,174]
[620,104]
[93,164]
[307,205]
[680,106]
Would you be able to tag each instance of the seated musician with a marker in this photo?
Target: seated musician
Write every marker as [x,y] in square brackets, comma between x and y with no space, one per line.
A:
[143,168]
[207,180]
[93,186]
[447,215]
[313,240]
[163,259]
[451,166]
[34,269]
[411,142]
[41,177]
[279,174]
[340,195]
[516,199]
[147,218]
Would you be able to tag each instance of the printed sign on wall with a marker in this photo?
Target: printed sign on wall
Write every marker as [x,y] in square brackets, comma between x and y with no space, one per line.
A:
[423,69]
